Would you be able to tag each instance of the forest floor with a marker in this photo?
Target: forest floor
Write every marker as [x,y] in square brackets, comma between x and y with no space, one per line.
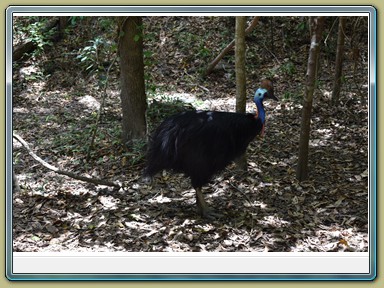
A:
[54,108]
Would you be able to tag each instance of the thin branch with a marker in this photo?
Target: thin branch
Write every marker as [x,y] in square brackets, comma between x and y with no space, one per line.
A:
[61,172]
[101,108]
[213,64]
[330,30]
[241,191]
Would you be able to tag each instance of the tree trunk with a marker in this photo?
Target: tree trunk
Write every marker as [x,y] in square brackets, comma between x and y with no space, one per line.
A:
[240,76]
[339,61]
[22,49]
[240,64]
[133,98]
[316,25]
[63,23]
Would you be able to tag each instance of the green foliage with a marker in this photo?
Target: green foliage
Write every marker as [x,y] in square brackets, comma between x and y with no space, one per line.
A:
[101,50]
[149,62]
[73,20]
[204,52]
[288,68]
[165,106]
[74,139]
[37,75]
[150,86]
[149,36]
[31,29]
[136,38]
[71,142]
[107,23]
[36,36]
[302,26]
[16,157]
[135,153]
[198,49]
[185,38]
[94,57]
[296,96]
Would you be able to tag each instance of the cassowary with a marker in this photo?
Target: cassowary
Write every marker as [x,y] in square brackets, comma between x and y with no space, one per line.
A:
[202,143]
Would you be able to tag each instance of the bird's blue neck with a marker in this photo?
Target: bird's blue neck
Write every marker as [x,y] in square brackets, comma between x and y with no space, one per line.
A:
[258,99]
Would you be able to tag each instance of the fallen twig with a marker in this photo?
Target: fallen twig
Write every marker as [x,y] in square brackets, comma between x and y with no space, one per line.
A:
[62,172]
[241,191]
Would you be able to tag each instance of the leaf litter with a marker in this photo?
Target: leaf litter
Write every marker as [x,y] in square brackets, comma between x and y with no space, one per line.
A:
[264,210]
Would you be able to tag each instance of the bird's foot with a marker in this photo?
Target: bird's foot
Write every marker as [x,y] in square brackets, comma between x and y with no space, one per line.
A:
[146,180]
[208,213]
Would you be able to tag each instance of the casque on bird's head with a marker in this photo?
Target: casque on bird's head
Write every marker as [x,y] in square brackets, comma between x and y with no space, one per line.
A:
[266,90]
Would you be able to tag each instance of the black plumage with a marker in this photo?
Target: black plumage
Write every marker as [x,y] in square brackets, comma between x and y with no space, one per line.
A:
[201,144]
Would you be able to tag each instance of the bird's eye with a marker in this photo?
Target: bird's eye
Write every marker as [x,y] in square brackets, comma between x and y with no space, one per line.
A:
[259,94]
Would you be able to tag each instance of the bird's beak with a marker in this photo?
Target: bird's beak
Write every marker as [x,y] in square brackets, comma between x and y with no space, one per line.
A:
[271,95]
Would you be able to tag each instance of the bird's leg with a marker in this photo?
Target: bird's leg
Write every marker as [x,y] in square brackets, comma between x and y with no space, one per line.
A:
[202,207]
[262,132]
